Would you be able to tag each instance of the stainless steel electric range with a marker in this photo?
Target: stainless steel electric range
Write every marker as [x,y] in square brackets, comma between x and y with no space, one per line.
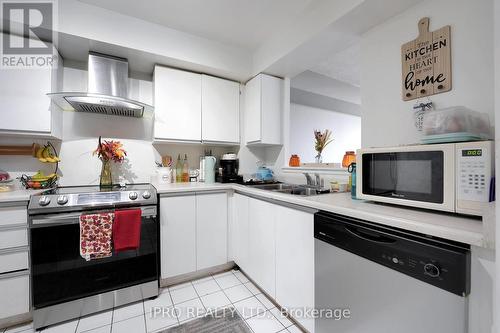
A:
[66,286]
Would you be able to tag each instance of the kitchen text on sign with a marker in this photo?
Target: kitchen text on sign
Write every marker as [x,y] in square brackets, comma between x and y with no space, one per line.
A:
[426,63]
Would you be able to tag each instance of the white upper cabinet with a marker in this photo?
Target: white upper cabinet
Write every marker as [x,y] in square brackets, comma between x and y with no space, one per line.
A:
[177,101]
[220,107]
[192,107]
[263,110]
[26,108]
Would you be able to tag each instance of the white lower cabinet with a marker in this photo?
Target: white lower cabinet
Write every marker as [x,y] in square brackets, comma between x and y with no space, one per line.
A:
[193,232]
[240,234]
[178,235]
[261,245]
[275,248]
[295,262]
[15,289]
[14,273]
[211,230]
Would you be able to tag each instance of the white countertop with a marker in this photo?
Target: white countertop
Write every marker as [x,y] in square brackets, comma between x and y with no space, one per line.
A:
[454,227]
[448,226]
[16,195]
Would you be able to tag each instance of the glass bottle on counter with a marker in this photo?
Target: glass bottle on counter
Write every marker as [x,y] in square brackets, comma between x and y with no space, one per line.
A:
[352,179]
[185,170]
[178,170]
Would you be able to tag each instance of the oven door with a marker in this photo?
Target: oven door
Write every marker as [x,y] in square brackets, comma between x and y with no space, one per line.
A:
[419,176]
[60,274]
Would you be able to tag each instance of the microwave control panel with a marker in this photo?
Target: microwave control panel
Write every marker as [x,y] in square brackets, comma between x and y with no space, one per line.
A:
[474,171]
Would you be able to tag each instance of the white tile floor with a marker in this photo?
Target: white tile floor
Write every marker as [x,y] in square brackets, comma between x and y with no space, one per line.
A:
[218,291]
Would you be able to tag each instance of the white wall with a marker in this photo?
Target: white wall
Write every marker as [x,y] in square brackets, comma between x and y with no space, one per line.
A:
[388,120]
[304,120]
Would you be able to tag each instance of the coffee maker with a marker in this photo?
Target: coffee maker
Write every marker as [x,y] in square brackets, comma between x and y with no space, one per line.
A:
[228,169]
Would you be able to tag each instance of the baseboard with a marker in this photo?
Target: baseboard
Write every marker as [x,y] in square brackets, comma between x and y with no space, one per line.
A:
[16,320]
[171,281]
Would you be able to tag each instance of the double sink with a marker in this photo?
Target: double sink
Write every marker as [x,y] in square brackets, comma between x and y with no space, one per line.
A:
[294,189]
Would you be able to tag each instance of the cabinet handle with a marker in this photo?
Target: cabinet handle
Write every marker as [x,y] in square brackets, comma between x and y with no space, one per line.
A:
[14,274]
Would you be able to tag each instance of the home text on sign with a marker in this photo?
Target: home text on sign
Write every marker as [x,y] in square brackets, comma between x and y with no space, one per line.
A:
[426,63]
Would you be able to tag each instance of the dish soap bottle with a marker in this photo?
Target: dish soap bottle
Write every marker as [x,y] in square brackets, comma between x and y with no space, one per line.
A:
[178,170]
[185,170]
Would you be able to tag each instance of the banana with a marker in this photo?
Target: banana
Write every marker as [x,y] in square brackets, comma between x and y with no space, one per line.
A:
[39,177]
[51,160]
[46,155]
[46,152]
[38,153]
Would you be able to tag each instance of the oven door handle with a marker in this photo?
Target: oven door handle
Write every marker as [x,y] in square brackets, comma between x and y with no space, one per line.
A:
[74,218]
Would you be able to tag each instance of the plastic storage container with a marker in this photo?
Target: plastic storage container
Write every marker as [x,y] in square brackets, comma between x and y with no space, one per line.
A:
[455,124]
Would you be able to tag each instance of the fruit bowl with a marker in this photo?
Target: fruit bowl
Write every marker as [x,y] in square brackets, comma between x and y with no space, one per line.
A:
[38,181]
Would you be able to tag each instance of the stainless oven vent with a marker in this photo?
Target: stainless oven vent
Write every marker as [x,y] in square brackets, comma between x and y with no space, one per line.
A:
[107,90]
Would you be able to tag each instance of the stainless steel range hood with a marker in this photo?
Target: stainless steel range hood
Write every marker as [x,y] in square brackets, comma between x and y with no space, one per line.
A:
[107,91]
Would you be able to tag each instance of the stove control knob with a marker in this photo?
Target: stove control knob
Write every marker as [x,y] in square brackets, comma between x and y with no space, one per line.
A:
[132,195]
[146,194]
[431,270]
[62,199]
[44,200]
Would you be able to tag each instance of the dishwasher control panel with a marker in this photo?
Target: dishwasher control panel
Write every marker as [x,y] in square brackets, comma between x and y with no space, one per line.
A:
[445,265]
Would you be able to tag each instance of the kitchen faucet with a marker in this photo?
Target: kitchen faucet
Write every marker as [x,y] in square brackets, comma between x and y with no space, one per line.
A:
[316,182]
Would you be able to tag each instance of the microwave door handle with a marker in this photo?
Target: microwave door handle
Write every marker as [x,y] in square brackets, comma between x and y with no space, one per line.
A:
[371,238]
[393,171]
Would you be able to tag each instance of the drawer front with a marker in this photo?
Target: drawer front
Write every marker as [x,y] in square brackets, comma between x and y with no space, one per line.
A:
[14,289]
[13,261]
[13,215]
[13,238]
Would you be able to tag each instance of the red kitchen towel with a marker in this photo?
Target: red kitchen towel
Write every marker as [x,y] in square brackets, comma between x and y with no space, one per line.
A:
[127,229]
[95,235]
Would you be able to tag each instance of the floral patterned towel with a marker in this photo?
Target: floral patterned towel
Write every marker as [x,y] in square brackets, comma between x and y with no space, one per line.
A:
[95,235]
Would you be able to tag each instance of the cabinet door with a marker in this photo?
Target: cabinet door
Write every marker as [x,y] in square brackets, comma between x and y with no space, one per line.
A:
[262,256]
[220,108]
[271,104]
[253,110]
[178,235]
[211,230]
[177,100]
[240,218]
[15,291]
[25,105]
[295,257]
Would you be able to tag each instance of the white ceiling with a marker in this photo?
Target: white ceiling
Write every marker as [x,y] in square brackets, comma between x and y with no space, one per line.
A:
[243,23]
[344,66]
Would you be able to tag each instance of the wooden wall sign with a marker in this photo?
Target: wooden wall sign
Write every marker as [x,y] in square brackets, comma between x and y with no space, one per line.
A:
[426,62]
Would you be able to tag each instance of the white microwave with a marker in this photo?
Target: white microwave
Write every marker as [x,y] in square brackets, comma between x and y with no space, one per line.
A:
[451,177]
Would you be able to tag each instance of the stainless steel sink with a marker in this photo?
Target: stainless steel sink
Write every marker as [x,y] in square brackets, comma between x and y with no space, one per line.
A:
[274,187]
[293,189]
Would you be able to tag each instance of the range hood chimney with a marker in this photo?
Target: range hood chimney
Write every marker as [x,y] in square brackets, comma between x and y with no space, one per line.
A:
[107,90]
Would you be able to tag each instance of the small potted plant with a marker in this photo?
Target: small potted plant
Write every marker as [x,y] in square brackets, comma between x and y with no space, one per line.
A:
[321,140]
[107,152]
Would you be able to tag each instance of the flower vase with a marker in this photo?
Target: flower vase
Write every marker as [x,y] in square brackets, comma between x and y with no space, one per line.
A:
[106,179]
[318,158]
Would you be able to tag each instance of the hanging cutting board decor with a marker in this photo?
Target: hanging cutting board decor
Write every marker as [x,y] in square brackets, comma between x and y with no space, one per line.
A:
[426,62]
